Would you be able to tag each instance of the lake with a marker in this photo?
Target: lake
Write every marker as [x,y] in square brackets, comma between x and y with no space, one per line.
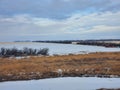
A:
[68,83]
[55,48]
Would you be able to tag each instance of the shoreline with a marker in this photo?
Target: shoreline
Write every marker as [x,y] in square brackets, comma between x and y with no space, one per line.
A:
[100,64]
[82,76]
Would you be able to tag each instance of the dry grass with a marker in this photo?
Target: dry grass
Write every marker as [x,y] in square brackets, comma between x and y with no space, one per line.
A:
[71,65]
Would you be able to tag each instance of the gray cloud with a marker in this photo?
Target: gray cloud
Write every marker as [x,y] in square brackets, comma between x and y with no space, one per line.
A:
[94,25]
[59,19]
[56,8]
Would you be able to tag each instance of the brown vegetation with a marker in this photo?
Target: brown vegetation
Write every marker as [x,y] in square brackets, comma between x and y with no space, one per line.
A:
[93,64]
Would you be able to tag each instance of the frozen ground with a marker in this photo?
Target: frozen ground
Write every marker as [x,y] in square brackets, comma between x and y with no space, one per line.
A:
[67,83]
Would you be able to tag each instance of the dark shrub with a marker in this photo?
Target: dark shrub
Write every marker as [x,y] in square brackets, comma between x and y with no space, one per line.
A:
[8,52]
[43,51]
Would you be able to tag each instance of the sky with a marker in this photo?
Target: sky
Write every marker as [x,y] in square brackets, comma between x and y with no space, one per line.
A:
[59,19]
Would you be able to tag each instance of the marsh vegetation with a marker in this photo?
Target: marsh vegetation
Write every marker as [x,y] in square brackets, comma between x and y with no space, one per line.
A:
[82,65]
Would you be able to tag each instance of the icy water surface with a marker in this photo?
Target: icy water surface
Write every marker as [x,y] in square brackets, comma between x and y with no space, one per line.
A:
[67,83]
[59,48]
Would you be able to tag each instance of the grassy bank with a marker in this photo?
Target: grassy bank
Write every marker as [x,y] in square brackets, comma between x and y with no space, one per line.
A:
[94,64]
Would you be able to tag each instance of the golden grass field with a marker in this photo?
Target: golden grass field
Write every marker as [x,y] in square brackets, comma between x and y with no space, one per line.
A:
[36,67]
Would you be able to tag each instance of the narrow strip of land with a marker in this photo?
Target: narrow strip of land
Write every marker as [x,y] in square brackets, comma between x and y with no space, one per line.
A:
[93,64]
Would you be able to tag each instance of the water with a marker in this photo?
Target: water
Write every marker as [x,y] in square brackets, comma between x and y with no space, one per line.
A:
[68,83]
[59,48]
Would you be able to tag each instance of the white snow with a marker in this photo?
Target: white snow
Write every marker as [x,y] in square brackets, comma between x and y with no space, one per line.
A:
[59,71]
[67,83]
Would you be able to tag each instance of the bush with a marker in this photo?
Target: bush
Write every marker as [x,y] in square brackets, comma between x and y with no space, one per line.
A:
[8,52]
[43,51]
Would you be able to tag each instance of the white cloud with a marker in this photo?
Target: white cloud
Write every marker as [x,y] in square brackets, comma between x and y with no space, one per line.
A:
[103,28]
[43,22]
[26,25]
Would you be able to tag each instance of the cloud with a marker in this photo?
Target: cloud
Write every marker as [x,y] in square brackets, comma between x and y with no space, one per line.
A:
[57,9]
[78,26]
[103,29]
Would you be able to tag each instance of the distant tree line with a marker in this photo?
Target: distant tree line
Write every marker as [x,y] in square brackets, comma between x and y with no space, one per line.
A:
[59,41]
[87,42]
[8,52]
[95,43]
